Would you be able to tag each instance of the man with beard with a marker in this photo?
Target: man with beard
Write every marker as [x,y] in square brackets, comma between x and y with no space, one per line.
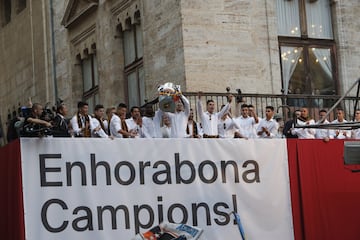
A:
[34,126]
[340,133]
[290,124]
[304,119]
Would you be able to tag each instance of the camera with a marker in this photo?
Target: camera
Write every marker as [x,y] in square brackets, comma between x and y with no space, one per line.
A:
[47,114]
[33,130]
[239,97]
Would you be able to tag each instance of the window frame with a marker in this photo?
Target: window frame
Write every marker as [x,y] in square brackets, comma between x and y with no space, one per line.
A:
[94,89]
[6,12]
[306,42]
[137,64]
[304,33]
[20,5]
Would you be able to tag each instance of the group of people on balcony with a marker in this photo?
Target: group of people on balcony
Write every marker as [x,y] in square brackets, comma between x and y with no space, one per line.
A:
[147,123]
[302,118]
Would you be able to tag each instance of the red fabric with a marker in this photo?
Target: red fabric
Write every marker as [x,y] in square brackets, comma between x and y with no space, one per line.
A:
[295,189]
[329,193]
[11,201]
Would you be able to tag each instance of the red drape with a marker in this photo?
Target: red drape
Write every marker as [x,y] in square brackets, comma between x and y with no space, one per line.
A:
[11,201]
[295,189]
[325,192]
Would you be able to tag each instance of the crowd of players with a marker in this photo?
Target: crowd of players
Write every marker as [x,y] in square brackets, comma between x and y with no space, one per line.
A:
[144,122]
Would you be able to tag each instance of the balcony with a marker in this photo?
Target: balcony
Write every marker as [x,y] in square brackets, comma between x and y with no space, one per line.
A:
[284,105]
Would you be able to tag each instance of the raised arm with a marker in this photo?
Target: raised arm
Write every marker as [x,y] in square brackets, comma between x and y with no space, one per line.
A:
[39,121]
[226,108]
[199,106]
[186,105]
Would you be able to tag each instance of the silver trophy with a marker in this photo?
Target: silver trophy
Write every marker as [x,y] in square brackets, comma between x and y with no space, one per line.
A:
[169,93]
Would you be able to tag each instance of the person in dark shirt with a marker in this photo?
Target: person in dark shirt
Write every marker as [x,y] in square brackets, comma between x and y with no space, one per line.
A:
[61,128]
[290,124]
[34,126]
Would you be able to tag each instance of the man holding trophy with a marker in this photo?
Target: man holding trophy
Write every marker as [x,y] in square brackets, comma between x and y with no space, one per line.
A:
[176,106]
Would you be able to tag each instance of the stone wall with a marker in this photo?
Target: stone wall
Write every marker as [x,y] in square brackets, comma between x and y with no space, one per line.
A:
[347,36]
[231,43]
[163,44]
[24,59]
[69,43]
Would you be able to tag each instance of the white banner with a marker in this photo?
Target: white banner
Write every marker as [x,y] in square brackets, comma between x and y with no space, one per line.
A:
[111,189]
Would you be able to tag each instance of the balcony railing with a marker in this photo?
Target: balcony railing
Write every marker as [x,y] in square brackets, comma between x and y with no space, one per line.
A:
[284,105]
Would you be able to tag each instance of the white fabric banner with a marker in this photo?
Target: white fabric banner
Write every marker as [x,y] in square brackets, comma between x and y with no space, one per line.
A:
[111,189]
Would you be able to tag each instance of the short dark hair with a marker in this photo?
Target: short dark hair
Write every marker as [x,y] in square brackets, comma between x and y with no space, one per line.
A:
[134,107]
[35,106]
[209,101]
[82,104]
[98,106]
[122,105]
[244,105]
[270,107]
[322,110]
[59,107]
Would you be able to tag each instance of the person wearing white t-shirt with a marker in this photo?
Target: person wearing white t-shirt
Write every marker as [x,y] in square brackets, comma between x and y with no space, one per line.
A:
[339,133]
[193,130]
[227,127]
[135,123]
[166,128]
[80,122]
[355,133]
[98,124]
[268,127]
[247,123]
[304,119]
[179,118]
[209,118]
[322,133]
[118,126]
[152,122]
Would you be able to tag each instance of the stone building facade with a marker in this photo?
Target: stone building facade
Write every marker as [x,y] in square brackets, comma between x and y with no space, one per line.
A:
[111,51]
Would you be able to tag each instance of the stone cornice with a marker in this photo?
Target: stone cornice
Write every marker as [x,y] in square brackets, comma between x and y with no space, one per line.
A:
[120,6]
[83,43]
[125,10]
[83,35]
[72,14]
